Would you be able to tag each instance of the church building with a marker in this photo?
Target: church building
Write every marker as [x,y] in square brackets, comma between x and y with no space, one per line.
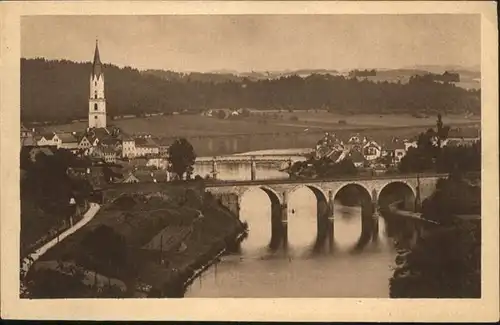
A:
[97,101]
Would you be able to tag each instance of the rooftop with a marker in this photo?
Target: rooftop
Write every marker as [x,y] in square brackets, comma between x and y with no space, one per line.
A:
[67,137]
[464,133]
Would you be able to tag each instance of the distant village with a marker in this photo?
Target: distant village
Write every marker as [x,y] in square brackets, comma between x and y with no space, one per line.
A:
[368,152]
[142,154]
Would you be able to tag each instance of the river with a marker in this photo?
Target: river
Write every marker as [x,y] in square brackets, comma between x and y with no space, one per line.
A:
[254,274]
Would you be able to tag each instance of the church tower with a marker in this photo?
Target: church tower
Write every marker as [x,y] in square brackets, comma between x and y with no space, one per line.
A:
[97,102]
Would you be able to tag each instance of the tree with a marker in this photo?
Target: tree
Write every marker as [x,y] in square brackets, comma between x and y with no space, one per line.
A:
[221,114]
[48,101]
[182,157]
[442,131]
[106,247]
[245,112]
[446,262]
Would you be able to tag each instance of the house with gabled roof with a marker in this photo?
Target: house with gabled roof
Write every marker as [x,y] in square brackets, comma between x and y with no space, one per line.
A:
[85,144]
[107,154]
[146,147]
[27,136]
[130,178]
[395,149]
[462,136]
[48,139]
[68,141]
[371,150]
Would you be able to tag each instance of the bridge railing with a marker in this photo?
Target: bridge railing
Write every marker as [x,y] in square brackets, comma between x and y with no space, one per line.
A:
[216,183]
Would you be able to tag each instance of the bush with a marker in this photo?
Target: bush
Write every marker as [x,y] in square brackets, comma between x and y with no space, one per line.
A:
[294,118]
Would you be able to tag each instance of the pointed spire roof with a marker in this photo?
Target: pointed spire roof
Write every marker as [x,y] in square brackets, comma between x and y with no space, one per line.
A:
[97,65]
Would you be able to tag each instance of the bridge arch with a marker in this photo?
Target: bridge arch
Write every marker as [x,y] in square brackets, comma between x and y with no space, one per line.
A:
[362,191]
[308,218]
[350,195]
[391,192]
[259,224]
[318,192]
[273,195]
[397,191]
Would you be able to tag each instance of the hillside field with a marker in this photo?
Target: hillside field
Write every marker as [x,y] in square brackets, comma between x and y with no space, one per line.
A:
[197,125]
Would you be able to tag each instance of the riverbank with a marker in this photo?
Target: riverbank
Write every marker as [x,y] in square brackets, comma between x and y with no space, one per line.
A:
[155,243]
[178,287]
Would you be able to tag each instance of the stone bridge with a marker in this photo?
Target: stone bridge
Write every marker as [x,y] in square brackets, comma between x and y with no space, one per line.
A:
[276,161]
[371,193]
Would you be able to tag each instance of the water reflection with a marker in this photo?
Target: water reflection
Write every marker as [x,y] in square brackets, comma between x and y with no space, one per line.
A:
[238,171]
[256,273]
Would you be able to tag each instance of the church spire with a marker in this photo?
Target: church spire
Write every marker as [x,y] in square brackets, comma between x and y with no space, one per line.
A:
[96,66]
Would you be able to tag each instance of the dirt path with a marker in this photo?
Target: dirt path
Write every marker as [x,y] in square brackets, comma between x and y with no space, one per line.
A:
[30,259]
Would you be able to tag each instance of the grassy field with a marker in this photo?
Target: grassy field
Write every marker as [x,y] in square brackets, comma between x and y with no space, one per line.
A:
[197,125]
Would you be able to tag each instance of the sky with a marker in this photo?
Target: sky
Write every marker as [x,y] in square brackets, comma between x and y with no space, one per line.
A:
[257,42]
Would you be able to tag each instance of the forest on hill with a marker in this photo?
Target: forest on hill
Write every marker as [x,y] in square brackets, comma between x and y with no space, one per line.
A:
[58,91]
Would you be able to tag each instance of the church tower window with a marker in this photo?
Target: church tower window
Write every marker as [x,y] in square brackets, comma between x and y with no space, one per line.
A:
[95,107]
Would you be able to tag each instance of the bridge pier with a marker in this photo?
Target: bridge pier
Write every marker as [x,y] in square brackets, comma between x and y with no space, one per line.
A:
[253,169]
[375,216]
[214,168]
[284,221]
[331,222]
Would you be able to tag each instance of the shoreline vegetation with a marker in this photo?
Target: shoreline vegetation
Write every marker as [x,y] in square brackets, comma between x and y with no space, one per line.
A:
[140,245]
[445,260]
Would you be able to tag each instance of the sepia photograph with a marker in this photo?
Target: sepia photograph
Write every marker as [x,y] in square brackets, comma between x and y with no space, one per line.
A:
[251,155]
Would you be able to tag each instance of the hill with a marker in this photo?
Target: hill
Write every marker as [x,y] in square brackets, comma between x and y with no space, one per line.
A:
[58,91]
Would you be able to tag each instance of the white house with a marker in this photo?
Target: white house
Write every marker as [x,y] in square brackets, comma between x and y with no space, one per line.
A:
[145,147]
[410,144]
[396,150]
[159,163]
[128,148]
[465,136]
[49,139]
[371,150]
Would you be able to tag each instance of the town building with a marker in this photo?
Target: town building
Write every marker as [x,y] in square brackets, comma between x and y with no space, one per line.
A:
[462,137]
[395,150]
[128,147]
[146,147]
[157,162]
[130,178]
[48,139]
[85,145]
[68,141]
[27,137]
[412,143]
[105,153]
[371,150]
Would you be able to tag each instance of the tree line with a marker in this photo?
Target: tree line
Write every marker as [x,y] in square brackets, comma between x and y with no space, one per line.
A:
[430,155]
[59,91]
